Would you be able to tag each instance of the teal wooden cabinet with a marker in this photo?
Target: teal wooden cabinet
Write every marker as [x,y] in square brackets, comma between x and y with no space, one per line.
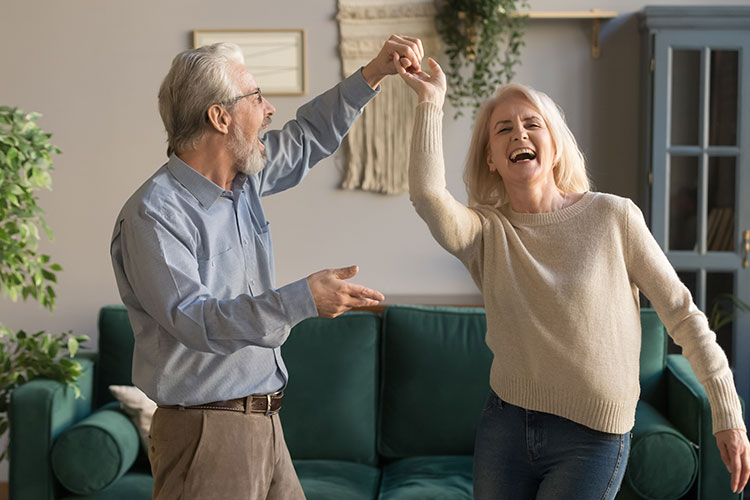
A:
[696,155]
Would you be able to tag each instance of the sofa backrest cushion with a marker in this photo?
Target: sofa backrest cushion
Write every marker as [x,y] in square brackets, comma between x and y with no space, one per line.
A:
[330,403]
[434,380]
[653,357]
[115,365]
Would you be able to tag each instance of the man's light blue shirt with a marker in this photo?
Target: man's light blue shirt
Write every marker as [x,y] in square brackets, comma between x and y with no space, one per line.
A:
[194,265]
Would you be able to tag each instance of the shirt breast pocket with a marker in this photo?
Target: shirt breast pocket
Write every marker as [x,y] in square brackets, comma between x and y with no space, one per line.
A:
[263,233]
[221,273]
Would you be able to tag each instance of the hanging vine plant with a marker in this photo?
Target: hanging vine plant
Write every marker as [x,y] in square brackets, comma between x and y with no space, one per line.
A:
[483,40]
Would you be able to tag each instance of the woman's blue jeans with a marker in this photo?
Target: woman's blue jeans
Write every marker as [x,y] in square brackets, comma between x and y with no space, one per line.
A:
[529,455]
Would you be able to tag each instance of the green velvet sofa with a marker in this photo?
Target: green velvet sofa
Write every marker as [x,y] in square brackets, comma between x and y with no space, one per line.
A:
[379,406]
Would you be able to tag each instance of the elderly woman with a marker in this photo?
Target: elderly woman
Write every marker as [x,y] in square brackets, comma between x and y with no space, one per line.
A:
[559,267]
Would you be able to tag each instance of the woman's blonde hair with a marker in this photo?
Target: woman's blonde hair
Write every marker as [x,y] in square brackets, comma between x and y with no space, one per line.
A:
[486,187]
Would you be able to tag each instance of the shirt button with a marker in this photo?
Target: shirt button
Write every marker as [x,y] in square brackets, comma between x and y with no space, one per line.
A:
[245,242]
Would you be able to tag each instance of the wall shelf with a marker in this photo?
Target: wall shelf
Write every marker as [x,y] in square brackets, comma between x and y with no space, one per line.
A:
[595,15]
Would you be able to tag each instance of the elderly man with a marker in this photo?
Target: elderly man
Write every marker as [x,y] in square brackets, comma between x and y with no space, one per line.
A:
[193,260]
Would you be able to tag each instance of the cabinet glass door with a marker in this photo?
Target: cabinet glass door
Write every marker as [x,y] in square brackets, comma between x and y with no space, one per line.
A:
[701,174]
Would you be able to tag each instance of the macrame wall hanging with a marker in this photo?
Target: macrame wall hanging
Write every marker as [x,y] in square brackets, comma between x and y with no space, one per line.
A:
[377,146]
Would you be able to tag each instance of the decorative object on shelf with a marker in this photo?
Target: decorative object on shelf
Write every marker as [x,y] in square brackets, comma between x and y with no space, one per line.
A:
[720,235]
[276,58]
[25,158]
[482,40]
[376,154]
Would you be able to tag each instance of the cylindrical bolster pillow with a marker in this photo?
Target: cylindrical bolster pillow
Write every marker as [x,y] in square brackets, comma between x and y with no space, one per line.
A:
[95,452]
[663,464]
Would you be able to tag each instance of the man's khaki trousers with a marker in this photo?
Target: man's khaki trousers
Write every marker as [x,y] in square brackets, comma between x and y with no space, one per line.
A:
[220,455]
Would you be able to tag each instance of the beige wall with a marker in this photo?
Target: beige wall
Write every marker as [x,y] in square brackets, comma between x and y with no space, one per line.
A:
[93,68]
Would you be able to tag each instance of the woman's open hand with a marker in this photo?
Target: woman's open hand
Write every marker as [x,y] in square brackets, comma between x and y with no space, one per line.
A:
[429,88]
[735,453]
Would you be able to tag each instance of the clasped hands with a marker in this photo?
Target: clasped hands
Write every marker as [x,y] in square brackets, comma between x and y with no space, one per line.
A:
[405,49]
[403,55]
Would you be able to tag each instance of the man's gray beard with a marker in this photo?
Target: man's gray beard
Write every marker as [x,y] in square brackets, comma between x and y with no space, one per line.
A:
[250,158]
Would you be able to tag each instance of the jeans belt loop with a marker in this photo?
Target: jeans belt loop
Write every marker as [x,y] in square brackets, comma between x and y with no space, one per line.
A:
[248,404]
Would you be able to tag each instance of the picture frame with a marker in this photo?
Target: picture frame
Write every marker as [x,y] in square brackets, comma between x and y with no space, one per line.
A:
[275,57]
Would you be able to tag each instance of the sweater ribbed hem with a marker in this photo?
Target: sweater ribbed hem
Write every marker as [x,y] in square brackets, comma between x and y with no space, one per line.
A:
[614,417]
[428,128]
[726,411]
[543,219]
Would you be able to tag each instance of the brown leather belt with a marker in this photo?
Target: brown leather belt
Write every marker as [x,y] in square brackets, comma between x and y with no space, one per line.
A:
[268,404]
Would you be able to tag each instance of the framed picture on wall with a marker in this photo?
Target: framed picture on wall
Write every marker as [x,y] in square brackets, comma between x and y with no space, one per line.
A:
[276,58]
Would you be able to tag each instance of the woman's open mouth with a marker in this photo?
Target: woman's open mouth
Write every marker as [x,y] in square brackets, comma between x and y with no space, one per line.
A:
[522,154]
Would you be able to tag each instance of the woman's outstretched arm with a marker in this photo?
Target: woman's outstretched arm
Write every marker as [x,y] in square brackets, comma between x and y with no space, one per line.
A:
[455,226]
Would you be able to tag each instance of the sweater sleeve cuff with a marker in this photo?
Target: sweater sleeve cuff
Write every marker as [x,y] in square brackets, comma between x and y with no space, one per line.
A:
[428,128]
[298,301]
[726,411]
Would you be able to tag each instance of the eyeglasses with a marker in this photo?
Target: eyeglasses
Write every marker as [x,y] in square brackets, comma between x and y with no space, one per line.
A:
[235,99]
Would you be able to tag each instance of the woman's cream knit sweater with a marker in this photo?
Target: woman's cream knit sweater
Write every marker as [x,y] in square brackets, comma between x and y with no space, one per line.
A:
[561,295]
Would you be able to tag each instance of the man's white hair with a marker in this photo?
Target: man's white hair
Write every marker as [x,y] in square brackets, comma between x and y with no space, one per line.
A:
[198,79]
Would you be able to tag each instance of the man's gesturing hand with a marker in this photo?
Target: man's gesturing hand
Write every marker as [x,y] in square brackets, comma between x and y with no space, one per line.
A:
[334,296]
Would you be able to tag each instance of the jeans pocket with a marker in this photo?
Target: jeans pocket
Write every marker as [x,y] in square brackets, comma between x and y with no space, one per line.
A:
[493,402]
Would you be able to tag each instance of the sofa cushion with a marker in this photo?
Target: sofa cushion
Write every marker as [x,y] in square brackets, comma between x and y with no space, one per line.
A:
[329,407]
[435,380]
[663,463]
[95,452]
[136,405]
[131,486]
[115,351]
[436,478]
[337,480]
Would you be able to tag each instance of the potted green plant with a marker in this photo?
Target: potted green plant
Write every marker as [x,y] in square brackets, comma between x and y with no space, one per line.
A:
[725,308]
[26,162]
[482,39]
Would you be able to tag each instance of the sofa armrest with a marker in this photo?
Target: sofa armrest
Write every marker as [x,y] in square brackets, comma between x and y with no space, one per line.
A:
[39,411]
[687,402]
[689,410]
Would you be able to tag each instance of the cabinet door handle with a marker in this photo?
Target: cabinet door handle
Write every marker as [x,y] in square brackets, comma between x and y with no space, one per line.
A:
[746,237]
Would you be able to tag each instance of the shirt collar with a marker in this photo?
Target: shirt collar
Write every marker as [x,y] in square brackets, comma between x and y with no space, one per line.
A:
[204,190]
